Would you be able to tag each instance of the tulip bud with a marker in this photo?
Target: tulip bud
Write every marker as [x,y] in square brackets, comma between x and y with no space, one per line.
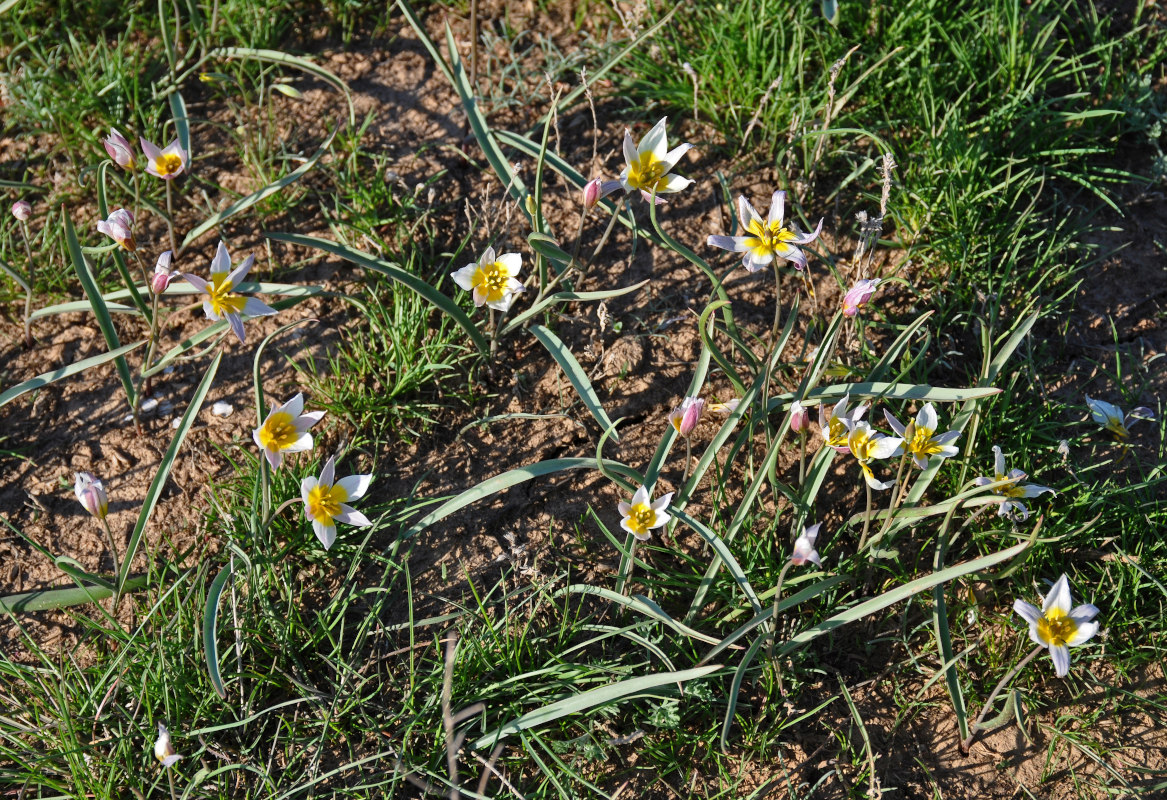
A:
[119,149]
[21,210]
[119,227]
[686,416]
[163,749]
[163,274]
[91,494]
[857,295]
[591,192]
[804,547]
[799,417]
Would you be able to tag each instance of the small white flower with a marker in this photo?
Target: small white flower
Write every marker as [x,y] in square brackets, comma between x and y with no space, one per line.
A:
[163,750]
[804,547]
[650,162]
[920,437]
[325,501]
[837,428]
[867,446]
[642,515]
[493,281]
[1012,508]
[765,240]
[91,494]
[222,301]
[1057,626]
[285,430]
[1110,416]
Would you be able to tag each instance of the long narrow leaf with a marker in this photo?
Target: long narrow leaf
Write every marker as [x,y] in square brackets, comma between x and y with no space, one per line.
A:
[592,699]
[576,374]
[561,297]
[284,59]
[75,368]
[156,485]
[53,599]
[210,626]
[104,321]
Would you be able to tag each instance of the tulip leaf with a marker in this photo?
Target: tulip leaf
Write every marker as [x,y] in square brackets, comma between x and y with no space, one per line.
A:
[210,625]
[76,367]
[82,305]
[593,699]
[735,687]
[53,599]
[561,297]
[506,480]
[104,321]
[244,203]
[397,273]
[1010,711]
[719,546]
[639,604]
[21,282]
[160,477]
[181,128]
[575,373]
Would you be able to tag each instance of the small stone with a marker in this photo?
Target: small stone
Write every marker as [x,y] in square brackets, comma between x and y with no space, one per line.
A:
[165,408]
[176,423]
[222,409]
[149,405]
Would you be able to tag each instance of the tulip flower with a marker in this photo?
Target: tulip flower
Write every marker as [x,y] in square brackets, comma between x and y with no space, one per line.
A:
[765,240]
[222,302]
[858,295]
[119,149]
[920,437]
[837,428]
[1057,625]
[163,749]
[1110,416]
[167,163]
[91,494]
[493,281]
[1012,508]
[285,430]
[325,501]
[650,163]
[163,274]
[799,417]
[804,551]
[119,227]
[867,446]
[726,408]
[596,190]
[642,515]
[685,417]
[22,210]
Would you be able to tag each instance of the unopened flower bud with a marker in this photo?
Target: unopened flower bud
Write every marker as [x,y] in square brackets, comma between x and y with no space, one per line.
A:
[799,417]
[686,416]
[21,210]
[91,494]
[163,274]
[857,295]
[119,149]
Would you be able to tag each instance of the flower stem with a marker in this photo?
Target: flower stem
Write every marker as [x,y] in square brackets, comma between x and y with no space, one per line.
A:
[170,777]
[774,625]
[688,458]
[170,218]
[494,326]
[113,552]
[31,286]
[777,300]
[866,519]
[972,734]
[801,458]
[627,577]
[607,232]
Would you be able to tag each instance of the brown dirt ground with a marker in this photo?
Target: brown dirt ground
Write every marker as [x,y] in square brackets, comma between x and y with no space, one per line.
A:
[640,372]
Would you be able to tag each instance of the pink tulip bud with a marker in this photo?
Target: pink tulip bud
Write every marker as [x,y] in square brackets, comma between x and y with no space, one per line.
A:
[857,295]
[21,210]
[799,417]
[686,416]
[596,190]
[163,274]
[119,149]
[119,227]
[91,494]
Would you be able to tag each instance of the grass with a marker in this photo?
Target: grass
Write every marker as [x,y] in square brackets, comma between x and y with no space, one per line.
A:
[348,675]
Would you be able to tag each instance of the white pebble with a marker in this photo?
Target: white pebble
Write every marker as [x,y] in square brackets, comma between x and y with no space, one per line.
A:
[176,423]
[165,408]
[148,405]
[222,409]
[128,418]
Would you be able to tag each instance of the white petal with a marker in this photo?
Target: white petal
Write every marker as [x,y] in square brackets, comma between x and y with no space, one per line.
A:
[946,437]
[655,141]
[807,238]
[351,516]
[662,502]
[1033,490]
[236,326]
[624,508]
[886,447]
[239,274]
[998,461]
[1058,597]
[777,208]
[303,442]
[306,486]
[325,533]
[195,281]
[254,307]
[1083,634]
[791,254]
[150,151]
[1027,611]
[274,457]
[465,277]
[355,485]
[295,406]
[1084,612]
[511,262]
[1061,656]
[306,421]
[328,474]
[222,260]
[746,212]
[630,155]
[735,244]
[641,497]
[926,418]
[662,518]
[900,430]
[673,156]
[673,183]
[488,256]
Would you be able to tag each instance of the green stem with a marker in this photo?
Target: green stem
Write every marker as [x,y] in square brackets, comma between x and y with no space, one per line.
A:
[777,300]
[866,518]
[801,458]
[170,218]
[31,286]
[494,330]
[113,552]
[774,625]
[967,743]
[688,458]
[607,232]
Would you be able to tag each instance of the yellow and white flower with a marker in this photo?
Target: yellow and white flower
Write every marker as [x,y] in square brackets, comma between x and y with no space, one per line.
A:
[650,163]
[493,280]
[222,301]
[837,428]
[920,437]
[285,430]
[326,501]
[167,163]
[765,240]
[1111,418]
[163,749]
[867,445]
[642,515]
[1012,508]
[1057,625]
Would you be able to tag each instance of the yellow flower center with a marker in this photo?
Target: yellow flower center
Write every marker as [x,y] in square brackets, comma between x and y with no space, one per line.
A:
[920,442]
[861,444]
[647,173]
[220,296]
[492,279]
[278,431]
[1014,489]
[1055,628]
[640,518]
[324,502]
[1115,426]
[168,164]
[837,433]
[765,238]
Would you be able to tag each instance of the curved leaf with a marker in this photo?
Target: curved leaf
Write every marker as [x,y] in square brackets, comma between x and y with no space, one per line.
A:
[210,625]
[44,379]
[575,373]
